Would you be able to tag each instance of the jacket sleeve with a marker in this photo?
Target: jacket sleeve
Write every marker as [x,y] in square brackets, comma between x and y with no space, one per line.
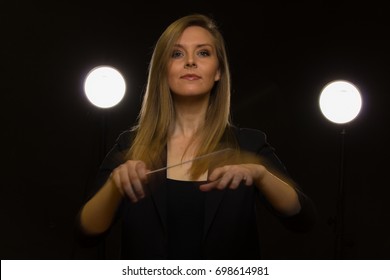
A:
[114,158]
[255,141]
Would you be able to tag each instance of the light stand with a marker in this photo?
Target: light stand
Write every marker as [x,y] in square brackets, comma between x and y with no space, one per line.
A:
[339,223]
[340,102]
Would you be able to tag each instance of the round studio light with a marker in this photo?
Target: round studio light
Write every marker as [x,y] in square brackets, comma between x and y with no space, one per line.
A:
[340,101]
[104,86]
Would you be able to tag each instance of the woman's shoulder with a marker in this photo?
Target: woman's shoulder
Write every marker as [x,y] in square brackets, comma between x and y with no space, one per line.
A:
[249,134]
[124,139]
[249,139]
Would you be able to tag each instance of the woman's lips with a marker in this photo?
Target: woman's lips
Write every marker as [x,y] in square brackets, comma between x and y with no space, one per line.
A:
[190,77]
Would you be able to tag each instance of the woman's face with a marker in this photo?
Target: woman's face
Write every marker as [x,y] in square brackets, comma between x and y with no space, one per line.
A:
[193,68]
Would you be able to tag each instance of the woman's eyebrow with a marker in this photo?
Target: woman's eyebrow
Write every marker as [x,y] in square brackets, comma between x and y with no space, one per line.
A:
[198,45]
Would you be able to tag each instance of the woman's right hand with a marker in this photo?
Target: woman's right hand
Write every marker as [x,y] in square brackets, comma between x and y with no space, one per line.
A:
[129,178]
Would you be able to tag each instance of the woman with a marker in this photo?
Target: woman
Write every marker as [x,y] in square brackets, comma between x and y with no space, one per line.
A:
[201,209]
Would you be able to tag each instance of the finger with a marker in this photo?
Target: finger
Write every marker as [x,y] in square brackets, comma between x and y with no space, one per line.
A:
[142,172]
[127,185]
[248,180]
[225,181]
[124,181]
[115,178]
[131,194]
[236,180]
[217,173]
[136,181]
[208,186]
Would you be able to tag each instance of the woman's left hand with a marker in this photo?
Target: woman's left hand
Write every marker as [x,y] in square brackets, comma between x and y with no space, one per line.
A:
[231,176]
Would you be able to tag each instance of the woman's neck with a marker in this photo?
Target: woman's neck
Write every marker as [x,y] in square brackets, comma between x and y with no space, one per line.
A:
[190,116]
[182,143]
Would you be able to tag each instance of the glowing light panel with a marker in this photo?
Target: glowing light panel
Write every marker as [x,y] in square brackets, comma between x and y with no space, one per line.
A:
[104,86]
[340,101]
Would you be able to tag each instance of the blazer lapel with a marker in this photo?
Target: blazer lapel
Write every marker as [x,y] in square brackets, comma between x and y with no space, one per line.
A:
[212,201]
[214,198]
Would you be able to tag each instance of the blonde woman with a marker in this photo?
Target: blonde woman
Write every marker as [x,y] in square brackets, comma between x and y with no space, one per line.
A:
[201,209]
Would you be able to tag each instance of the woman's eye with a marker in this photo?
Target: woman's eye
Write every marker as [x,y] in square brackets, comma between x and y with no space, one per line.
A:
[177,54]
[204,53]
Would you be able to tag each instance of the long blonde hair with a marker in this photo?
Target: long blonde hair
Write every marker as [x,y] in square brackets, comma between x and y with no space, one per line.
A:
[157,113]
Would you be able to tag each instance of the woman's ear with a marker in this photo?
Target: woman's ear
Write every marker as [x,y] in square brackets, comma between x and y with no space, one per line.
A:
[217,75]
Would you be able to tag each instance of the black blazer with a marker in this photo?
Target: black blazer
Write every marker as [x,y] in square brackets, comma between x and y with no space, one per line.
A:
[230,228]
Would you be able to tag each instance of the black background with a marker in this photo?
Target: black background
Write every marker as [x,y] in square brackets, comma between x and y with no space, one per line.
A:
[281,56]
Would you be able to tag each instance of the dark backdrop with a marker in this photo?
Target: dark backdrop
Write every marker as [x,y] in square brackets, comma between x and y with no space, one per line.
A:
[281,55]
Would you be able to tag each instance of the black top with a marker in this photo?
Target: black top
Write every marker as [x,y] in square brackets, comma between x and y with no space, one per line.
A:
[185,219]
